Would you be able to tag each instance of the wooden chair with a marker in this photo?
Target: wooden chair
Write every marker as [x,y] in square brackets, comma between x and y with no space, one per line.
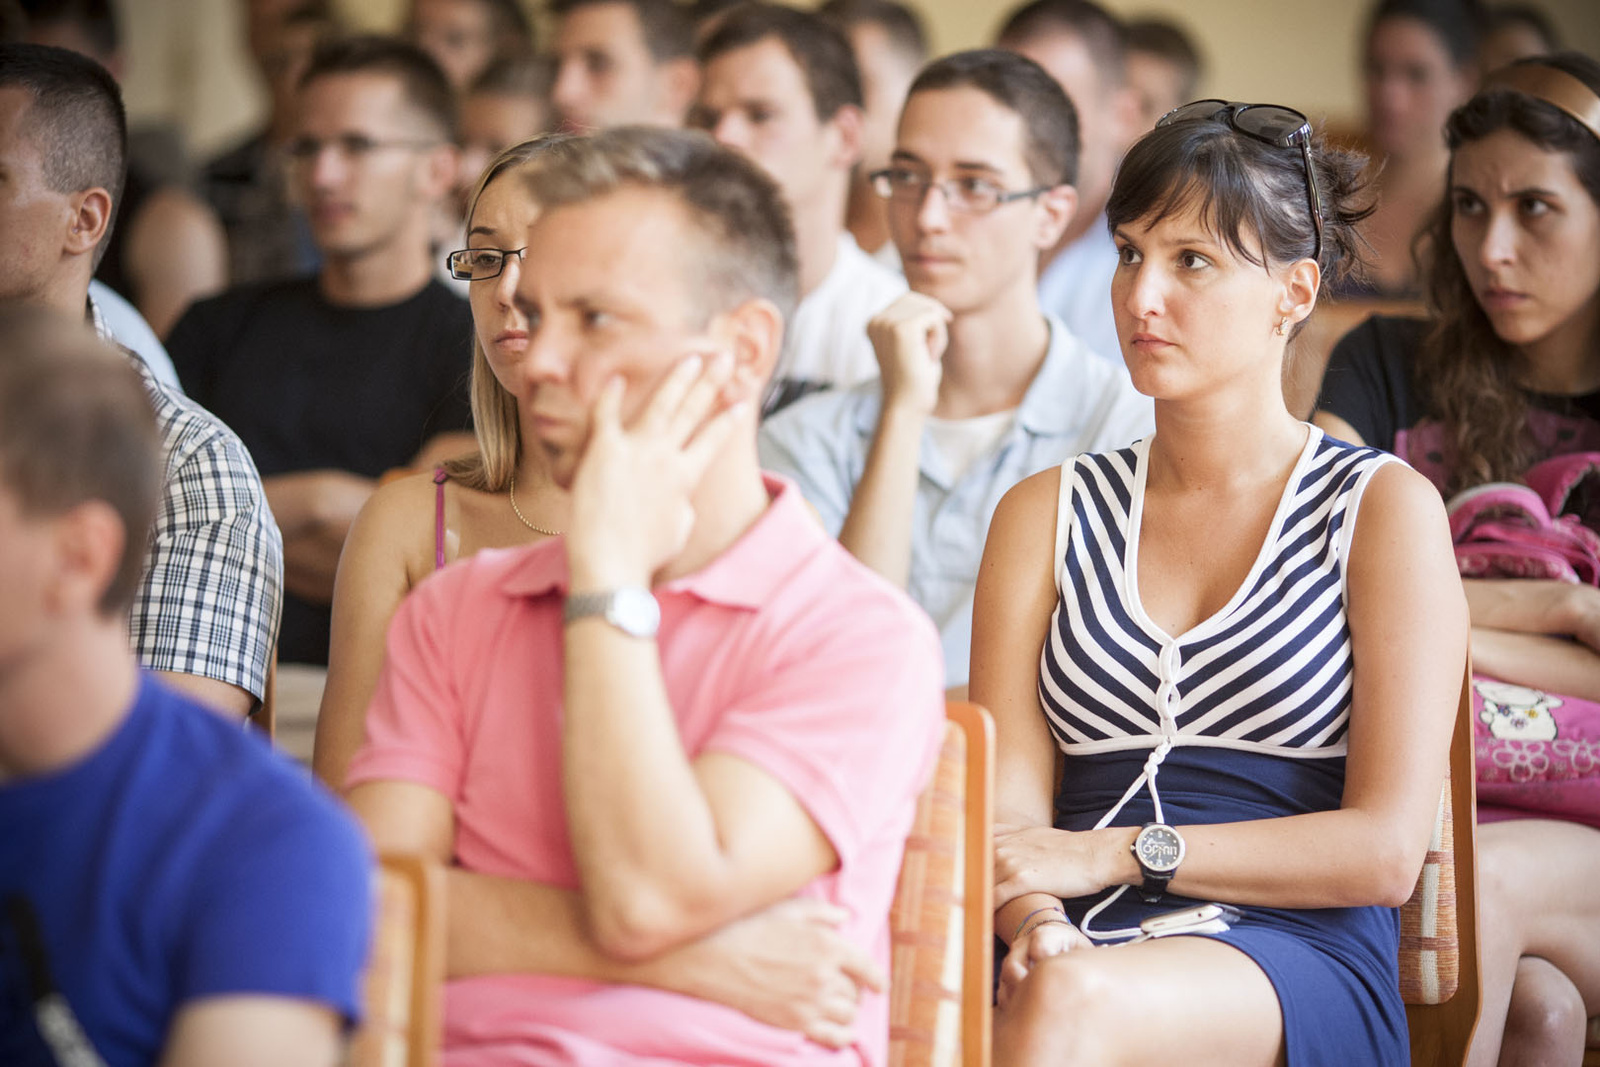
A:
[1439,962]
[404,989]
[942,923]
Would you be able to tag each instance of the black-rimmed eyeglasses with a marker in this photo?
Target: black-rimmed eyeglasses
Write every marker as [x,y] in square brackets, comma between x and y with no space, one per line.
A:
[480,264]
[1282,127]
[971,196]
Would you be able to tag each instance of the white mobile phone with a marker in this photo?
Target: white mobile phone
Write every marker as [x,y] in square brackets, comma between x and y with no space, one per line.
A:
[1202,918]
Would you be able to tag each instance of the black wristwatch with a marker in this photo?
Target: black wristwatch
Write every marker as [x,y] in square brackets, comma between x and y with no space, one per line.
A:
[1158,849]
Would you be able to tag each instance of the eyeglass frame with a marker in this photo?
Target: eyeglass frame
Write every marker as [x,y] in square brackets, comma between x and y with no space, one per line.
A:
[1001,197]
[1297,138]
[505,253]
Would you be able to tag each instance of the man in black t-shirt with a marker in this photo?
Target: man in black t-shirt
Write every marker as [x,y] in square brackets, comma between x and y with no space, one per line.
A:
[332,380]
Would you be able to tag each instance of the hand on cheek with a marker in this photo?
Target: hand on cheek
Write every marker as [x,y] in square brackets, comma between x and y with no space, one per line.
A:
[632,494]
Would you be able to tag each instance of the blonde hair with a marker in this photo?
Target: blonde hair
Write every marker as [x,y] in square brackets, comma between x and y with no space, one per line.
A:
[494,409]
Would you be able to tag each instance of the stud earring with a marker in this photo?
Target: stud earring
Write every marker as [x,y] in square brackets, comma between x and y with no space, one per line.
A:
[1283,328]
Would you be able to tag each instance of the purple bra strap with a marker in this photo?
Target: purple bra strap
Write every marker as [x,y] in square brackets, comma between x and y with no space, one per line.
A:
[439,478]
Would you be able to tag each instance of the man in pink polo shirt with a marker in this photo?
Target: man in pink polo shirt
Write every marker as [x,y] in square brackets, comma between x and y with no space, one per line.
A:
[673,756]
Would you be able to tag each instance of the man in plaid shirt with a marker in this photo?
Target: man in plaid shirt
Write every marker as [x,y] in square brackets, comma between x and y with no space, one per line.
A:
[206,612]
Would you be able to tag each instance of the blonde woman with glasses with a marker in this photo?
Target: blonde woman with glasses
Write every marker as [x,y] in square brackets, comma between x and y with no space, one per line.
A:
[497,497]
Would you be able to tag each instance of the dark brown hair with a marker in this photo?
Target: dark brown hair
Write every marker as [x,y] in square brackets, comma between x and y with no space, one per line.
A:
[1469,375]
[75,120]
[665,26]
[1167,40]
[425,85]
[1454,23]
[1245,188]
[1101,31]
[76,425]
[1020,85]
[819,49]
[900,24]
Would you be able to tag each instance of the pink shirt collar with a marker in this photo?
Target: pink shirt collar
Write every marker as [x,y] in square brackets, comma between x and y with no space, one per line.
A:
[744,576]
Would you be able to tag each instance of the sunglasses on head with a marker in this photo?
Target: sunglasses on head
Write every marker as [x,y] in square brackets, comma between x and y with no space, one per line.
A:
[1282,127]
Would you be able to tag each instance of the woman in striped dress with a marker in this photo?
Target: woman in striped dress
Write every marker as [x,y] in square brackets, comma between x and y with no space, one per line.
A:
[1193,662]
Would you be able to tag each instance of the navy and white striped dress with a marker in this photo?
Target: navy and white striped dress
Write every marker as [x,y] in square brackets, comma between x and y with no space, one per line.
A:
[1245,716]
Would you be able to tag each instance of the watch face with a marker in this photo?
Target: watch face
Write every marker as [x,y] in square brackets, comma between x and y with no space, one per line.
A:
[635,611]
[1159,848]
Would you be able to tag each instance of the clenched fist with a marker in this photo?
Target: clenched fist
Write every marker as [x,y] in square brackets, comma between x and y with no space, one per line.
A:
[909,338]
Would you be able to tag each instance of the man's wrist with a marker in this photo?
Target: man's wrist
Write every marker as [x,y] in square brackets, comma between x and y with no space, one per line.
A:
[603,575]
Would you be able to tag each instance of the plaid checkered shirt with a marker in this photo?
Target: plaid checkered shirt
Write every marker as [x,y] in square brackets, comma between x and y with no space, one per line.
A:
[212,591]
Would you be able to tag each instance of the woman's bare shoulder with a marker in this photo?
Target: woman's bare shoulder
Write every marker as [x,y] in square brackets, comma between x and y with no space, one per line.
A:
[397,520]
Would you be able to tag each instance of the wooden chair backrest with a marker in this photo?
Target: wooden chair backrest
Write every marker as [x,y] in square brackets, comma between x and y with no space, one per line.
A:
[404,985]
[1439,962]
[942,923]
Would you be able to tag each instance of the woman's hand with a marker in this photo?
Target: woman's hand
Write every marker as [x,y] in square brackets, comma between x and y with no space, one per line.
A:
[1063,863]
[1043,941]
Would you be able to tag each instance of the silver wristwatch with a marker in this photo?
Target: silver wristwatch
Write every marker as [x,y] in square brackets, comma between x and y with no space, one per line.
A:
[631,609]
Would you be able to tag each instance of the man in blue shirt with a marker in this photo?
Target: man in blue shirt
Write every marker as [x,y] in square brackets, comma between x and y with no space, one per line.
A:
[170,890]
[979,388]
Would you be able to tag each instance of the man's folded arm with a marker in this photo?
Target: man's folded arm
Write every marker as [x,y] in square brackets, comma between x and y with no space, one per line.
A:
[787,967]
[668,848]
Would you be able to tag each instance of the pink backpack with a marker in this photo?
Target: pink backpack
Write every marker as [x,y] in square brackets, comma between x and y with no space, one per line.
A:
[1532,530]
[1537,753]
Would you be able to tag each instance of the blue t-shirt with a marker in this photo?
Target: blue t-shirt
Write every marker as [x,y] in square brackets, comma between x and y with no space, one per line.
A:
[181,860]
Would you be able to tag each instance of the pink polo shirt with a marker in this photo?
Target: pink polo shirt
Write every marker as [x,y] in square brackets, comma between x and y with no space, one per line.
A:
[784,651]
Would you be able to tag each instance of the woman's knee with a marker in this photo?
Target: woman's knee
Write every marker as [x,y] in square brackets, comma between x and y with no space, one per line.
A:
[1547,1021]
[1068,1010]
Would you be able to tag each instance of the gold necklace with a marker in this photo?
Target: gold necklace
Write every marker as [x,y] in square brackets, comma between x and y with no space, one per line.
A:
[511,492]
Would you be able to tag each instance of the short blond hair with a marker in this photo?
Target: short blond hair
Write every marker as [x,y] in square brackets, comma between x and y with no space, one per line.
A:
[746,249]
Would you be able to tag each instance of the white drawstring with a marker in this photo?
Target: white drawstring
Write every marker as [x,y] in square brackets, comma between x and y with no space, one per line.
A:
[1167,699]
[1152,764]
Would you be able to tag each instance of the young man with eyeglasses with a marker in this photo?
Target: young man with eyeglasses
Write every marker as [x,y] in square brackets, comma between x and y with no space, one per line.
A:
[333,380]
[781,87]
[979,387]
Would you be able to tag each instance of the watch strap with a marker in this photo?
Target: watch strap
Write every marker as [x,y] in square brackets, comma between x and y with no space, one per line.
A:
[1154,885]
[631,609]
[583,605]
